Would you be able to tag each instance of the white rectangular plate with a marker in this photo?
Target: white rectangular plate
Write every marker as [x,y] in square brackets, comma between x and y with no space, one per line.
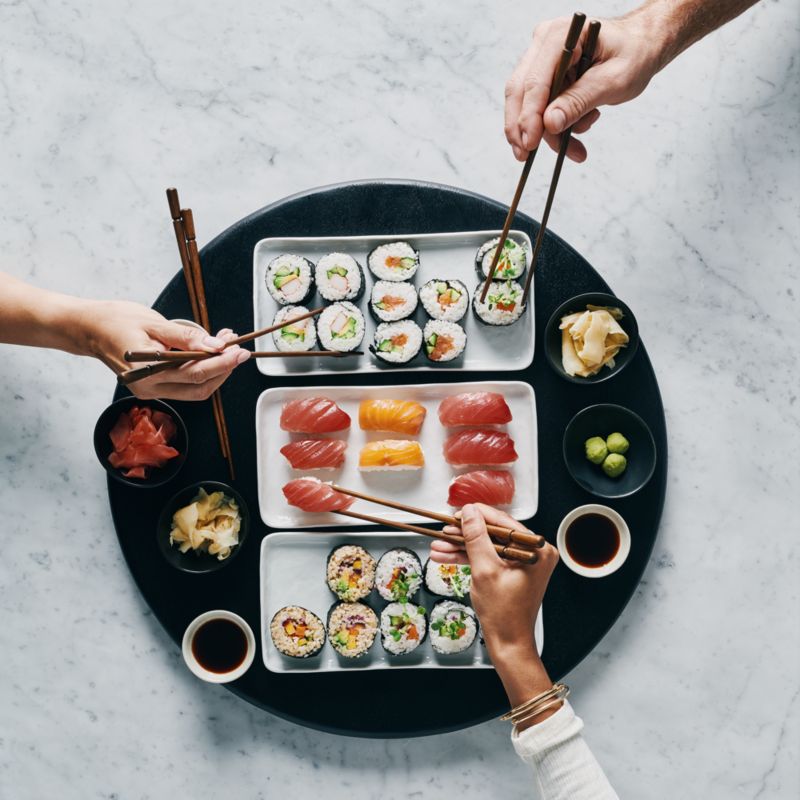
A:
[442,255]
[292,572]
[424,488]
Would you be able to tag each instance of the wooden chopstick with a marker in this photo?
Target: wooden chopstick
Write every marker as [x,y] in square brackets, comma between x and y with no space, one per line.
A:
[585,61]
[504,536]
[180,236]
[558,79]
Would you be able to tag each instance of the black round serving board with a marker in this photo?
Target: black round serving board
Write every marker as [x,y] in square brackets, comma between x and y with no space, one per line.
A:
[577,611]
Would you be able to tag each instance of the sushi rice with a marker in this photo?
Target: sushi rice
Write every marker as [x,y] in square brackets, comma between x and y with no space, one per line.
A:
[350,572]
[339,277]
[403,628]
[448,580]
[444,341]
[341,327]
[394,261]
[397,342]
[290,279]
[295,337]
[503,304]
[297,632]
[453,627]
[392,300]
[512,262]
[398,575]
[444,299]
[352,628]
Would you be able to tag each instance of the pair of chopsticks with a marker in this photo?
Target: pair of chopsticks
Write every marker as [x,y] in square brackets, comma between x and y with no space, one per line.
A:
[587,56]
[511,544]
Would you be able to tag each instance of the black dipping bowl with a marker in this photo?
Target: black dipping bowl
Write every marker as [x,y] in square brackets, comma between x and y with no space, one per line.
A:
[602,420]
[552,335]
[103,448]
[193,561]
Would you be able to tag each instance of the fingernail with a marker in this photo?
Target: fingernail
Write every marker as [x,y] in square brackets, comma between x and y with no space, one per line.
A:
[559,119]
[243,356]
[212,341]
[525,140]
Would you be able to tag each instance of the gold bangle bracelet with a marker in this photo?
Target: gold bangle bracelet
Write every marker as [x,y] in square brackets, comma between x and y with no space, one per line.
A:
[558,697]
[539,710]
[558,690]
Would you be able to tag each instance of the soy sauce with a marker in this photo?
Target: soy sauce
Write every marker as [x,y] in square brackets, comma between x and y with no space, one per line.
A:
[592,540]
[219,645]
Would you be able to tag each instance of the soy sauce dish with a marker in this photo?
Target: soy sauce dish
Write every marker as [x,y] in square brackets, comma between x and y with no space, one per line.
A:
[593,540]
[218,646]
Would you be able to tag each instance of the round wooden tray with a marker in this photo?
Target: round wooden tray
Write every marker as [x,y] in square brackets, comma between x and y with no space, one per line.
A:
[383,704]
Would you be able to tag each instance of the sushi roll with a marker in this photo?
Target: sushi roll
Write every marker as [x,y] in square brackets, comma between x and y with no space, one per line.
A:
[398,575]
[447,300]
[403,628]
[350,572]
[510,265]
[448,580]
[339,277]
[391,301]
[396,342]
[341,327]
[444,341]
[454,627]
[297,335]
[296,632]
[391,454]
[503,304]
[394,261]
[290,279]
[352,628]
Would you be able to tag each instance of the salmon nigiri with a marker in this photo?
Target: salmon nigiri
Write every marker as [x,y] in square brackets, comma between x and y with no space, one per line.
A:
[314,415]
[393,454]
[394,416]
[474,408]
[311,494]
[479,446]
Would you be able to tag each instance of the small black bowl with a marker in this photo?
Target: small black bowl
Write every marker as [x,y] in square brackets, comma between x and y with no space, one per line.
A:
[602,420]
[103,448]
[552,335]
[193,561]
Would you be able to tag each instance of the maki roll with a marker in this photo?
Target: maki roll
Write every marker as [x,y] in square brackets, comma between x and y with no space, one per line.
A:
[444,341]
[352,628]
[339,277]
[444,299]
[290,279]
[503,304]
[403,628]
[391,301]
[454,627]
[398,575]
[295,336]
[396,342]
[350,572]
[296,632]
[448,580]
[510,265]
[341,327]
[394,261]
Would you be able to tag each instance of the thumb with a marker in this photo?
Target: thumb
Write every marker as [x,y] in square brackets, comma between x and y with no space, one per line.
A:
[594,89]
[480,550]
[185,337]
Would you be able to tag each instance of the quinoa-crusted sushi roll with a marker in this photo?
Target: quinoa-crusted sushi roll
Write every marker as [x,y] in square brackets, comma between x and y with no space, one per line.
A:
[448,580]
[295,336]
[403,628]
[350,572]
[352,628]
[341,327]
[444,299]
[398,575]
[454,627]
[391,301]
[503,304]
[290,279]
[396,342]
[510,265]
[393,261]
[297,632]
[339,277]
[444,341]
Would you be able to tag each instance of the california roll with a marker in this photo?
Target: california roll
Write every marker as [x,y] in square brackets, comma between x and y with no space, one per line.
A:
[339,277]
[341,327]
[444,341]
[396,342]
[290,279]
[295,336]
[442,299]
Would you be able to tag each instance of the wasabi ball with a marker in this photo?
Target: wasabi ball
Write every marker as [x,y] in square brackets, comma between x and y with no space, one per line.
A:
[596,450]
[615,465]
[617,443]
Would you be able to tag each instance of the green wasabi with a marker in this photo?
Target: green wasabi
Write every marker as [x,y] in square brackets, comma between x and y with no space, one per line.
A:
[596,450]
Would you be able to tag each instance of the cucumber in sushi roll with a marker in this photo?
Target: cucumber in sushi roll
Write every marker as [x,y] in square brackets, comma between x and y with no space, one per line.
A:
[341,327]
[350,572]
[297,632]
[510,265]
[453,626]
[339,277]
[391,300]
[352,628]
[296,336]
[448,580]
[396,342]
[444,299]
[393,261]
[503,304]
[444,341]
[403,628]
[398,575]
[290,279]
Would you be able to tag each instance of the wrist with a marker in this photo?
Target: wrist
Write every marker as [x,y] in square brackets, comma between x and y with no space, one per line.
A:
[661,31]
[73,317]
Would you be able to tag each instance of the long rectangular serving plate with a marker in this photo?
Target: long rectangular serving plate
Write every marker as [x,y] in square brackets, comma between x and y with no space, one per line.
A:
[423,488]
[443,256]
[292,572]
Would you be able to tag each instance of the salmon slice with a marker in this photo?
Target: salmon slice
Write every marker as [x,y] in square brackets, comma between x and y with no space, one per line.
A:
[391,454]
[394,416]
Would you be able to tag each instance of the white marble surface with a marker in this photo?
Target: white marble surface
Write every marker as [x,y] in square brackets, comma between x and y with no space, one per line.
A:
[689,208]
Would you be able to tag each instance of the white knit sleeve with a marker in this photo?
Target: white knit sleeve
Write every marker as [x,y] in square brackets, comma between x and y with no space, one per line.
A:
[563,765]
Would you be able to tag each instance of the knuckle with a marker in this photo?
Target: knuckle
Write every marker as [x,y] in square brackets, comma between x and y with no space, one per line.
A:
[513,85]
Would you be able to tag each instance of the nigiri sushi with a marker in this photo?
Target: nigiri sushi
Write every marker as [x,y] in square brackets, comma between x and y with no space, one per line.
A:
[394,416]
[314,415]
[474,408]
[479,447]
[311,494]
[491,486]
[315,453]
[391,454]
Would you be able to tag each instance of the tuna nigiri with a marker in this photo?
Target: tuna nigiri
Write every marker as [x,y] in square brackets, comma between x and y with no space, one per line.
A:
[315,453]
[479,447]
[311,494]
[393,454]
[314,415]
[491,486]
[474,408]
[395,416]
